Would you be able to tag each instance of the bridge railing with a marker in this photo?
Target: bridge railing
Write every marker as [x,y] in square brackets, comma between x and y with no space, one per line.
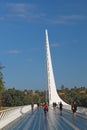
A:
[82,110]
[9,115]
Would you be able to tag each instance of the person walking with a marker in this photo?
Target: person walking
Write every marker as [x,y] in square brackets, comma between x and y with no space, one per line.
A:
[32,106]
[60,107]
[45,108]
[74,108]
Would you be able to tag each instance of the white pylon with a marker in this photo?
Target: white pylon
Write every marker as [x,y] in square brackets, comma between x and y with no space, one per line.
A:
[52,92]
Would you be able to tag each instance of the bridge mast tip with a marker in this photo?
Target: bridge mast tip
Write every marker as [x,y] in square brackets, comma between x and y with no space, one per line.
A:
[46,30]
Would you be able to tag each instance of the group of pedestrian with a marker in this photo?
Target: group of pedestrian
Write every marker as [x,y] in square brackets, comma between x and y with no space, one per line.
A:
[45,107]
[54,105]
[73,107]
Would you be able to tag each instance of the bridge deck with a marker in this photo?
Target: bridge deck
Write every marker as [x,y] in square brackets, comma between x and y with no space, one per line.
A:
[37,120]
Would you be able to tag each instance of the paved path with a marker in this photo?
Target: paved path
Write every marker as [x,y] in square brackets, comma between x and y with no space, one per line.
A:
[37,120]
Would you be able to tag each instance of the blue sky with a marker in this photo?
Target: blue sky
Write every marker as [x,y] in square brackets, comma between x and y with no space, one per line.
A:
[22,42]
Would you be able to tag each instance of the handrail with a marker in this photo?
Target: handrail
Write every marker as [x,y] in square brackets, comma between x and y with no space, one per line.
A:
[9,115]
[82,110]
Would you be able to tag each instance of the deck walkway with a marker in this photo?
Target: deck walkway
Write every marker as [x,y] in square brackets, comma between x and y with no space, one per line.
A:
[37,120]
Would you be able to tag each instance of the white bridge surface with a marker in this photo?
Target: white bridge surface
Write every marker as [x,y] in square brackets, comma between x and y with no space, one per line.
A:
[9,115]
[53,120]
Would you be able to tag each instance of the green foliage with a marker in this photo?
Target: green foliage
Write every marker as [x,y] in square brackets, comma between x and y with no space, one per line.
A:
[2,88]
[13,97]
[77,94]
[1,79]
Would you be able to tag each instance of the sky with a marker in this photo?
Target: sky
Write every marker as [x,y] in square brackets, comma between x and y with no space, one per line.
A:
[22,42]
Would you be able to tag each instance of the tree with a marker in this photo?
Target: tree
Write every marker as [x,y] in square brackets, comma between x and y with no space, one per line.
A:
[2,88]
[1,79]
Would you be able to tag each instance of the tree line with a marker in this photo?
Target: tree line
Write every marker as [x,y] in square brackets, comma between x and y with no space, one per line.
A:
[13,97]
[78,94]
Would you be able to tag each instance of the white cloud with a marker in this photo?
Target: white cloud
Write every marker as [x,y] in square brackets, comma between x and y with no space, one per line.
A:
[13,52]
[31,12]
[18,10]
[72,17]
[34,49]
[20,7]
[55,45]
[66,19]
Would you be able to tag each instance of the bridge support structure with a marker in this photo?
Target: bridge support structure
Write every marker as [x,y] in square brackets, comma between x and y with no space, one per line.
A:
[53,96]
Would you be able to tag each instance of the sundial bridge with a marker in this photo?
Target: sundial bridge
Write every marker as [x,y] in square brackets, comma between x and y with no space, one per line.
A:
[22,118]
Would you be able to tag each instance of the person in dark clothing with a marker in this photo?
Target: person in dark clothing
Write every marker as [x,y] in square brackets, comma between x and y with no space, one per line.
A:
[74,108]
[45,108]
[60,107]
[54,105]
